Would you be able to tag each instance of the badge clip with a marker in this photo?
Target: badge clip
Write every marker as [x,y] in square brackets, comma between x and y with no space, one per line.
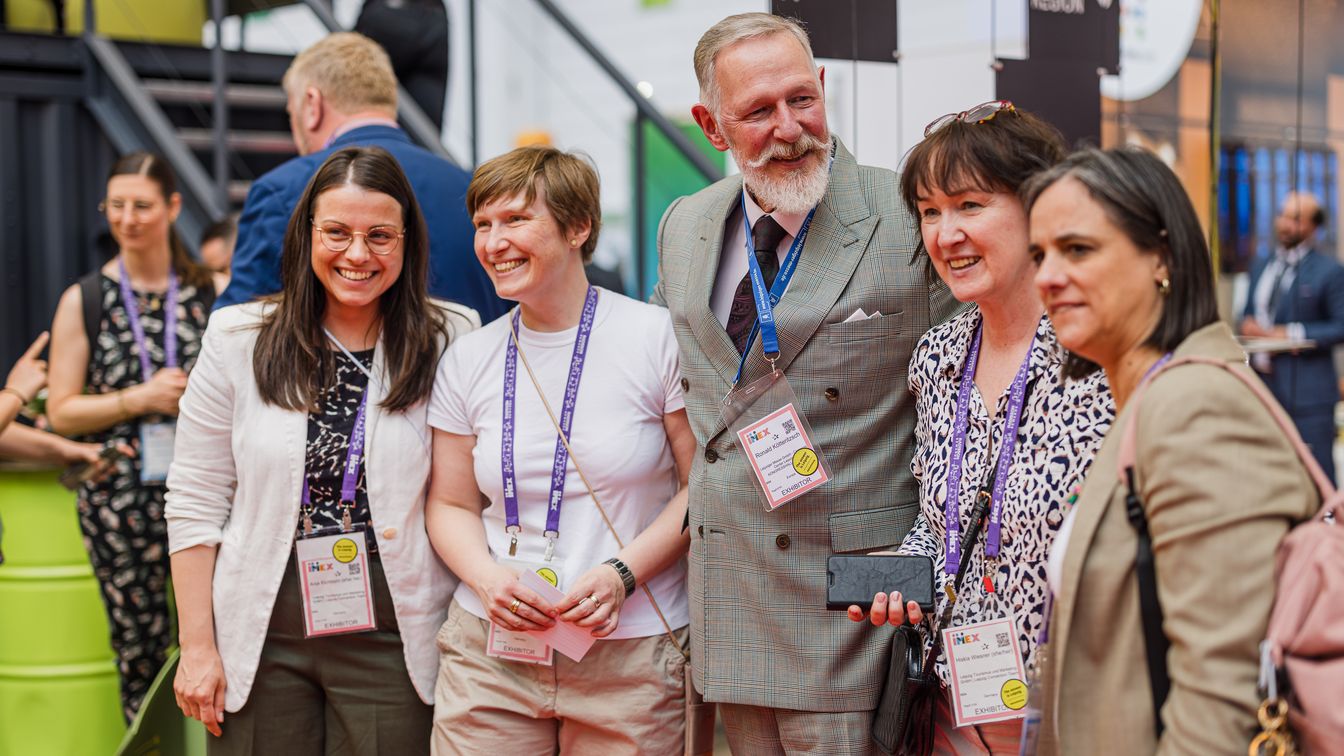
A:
[513,539]
[346,524]
[308,522]
[551,535]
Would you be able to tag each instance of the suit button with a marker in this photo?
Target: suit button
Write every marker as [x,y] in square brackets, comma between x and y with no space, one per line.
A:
[389,533]
[782,540]
[711,456]
[685,385]
[700,530]
[832,393]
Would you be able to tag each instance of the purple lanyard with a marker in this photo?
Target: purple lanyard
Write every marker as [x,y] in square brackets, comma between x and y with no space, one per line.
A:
[354,455]
[138,330]
[559,468]
[952,511]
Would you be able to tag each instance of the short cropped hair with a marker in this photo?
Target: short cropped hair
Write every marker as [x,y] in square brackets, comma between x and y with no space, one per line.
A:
[225,229]
[1143,198]
[729,32]
[352,72]
[573,192]
[997,155]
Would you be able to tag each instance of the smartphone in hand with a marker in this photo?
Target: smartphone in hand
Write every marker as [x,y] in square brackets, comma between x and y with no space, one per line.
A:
[79,473]
[855,579]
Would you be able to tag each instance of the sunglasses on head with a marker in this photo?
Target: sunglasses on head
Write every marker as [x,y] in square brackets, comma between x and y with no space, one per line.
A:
[979,114]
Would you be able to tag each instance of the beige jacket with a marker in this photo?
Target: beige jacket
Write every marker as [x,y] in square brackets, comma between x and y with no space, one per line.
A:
[1220,486]
[236,480]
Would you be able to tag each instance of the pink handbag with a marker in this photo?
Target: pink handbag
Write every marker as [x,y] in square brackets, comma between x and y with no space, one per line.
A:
[1304,643]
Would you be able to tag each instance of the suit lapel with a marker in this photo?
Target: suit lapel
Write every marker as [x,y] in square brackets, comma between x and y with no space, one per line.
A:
[1087,518]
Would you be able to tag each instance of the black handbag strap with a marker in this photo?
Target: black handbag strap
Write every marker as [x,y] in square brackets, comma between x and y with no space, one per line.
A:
[976,521]
[1155,642]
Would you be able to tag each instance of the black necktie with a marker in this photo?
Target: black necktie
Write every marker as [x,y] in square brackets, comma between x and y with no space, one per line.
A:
[1286,268]
[765,237]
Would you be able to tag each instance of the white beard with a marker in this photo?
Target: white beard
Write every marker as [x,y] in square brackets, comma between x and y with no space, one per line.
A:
[796,192]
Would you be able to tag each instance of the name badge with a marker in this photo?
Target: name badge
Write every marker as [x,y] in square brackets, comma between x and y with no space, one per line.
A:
[988,677]
[334,577]
[156,450]
[782,456]
[523,646]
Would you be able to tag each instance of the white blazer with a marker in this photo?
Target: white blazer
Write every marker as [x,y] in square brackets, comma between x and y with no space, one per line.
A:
[236,480]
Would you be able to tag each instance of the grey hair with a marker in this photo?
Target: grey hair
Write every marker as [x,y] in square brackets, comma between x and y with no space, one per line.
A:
[729,32]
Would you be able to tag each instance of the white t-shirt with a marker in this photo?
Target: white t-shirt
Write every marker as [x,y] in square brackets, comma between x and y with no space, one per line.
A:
[631,379]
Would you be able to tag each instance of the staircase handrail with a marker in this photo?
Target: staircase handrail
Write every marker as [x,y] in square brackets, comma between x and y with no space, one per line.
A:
[189,171]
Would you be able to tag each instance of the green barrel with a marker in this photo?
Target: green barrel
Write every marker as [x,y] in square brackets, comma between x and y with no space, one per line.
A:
[58,677]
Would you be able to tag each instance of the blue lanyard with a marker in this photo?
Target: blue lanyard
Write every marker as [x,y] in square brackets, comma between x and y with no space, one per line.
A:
[765,301]
[560,464]
[952,512]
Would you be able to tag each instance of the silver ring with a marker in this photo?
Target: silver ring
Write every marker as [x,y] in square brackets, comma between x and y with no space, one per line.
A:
[589,597]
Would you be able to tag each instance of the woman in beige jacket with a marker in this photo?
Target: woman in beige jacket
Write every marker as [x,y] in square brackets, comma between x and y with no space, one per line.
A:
[1127,281]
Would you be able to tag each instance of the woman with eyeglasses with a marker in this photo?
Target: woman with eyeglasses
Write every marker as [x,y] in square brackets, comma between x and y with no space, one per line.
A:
[308,593]
[1000,432]
[123,340]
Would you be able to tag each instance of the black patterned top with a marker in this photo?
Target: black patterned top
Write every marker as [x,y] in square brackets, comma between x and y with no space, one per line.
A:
[329,430]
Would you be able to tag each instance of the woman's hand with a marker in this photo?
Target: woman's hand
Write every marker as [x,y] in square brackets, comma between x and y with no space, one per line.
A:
[29,374]
[159,395]
[887,609]
[199,687]
[595,601]
[510,604]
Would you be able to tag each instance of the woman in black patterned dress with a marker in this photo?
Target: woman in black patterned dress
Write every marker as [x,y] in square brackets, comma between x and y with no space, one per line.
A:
[119,383]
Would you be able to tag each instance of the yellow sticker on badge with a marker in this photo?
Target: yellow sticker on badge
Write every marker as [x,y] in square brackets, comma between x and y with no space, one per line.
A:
[344,550]
[549,576]
[1014,694]
[805,461]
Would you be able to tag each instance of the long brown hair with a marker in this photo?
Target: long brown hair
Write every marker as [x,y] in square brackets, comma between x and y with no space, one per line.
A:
[293,360]
[156,169]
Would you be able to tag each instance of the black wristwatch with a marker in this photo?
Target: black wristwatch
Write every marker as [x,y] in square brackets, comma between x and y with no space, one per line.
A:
[627,576]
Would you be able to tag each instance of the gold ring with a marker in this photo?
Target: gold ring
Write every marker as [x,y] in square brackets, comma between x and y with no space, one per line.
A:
[514,606]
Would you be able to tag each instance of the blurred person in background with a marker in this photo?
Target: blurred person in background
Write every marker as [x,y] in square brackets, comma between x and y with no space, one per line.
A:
[123,340]
[415,35]
[342,93]
[1127,279]
[1298,293]
[217,242]
[300,481]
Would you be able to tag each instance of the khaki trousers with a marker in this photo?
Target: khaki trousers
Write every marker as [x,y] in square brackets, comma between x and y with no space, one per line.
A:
[625,697]
[340,695]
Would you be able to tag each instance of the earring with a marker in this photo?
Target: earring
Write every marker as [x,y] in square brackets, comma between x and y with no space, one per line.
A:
[1164,287]
[573,242]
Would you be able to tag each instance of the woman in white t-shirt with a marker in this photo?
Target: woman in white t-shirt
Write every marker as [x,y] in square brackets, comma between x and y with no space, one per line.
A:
[508,504]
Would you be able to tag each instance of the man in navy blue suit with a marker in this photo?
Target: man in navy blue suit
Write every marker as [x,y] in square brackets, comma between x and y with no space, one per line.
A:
[1298,293]
[342,93]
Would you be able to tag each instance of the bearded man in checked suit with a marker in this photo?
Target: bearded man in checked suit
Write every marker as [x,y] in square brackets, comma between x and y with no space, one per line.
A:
[791,677]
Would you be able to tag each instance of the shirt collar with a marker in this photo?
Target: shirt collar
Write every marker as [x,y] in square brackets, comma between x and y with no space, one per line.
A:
[359,123]
[790,222]
[1293,255]
[1046,352]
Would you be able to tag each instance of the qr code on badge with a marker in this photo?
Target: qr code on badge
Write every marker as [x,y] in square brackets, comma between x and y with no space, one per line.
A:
[354,568]
[1003,640]
[789,427]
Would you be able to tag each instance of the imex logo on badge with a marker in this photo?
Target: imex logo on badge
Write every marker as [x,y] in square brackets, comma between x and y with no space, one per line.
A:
[755,436]
[316,566]
[961,639]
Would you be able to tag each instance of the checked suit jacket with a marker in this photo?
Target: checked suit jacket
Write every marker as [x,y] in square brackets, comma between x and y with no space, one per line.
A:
[760,630]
